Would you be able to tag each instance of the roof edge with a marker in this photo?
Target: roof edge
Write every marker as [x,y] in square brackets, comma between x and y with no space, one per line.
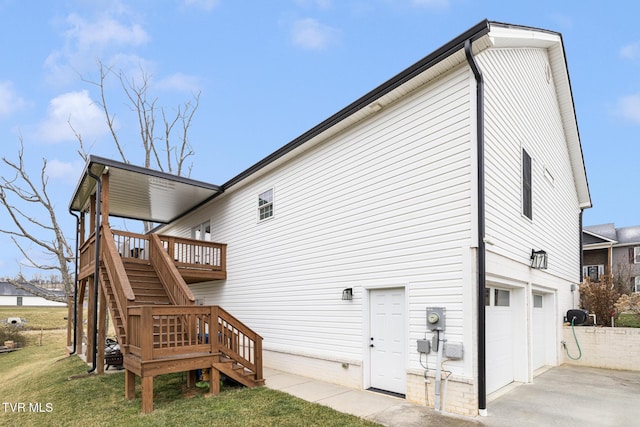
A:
[109,163]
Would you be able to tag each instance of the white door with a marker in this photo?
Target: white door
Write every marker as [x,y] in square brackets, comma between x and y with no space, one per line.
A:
[499,338]
[387,341]
[538,330]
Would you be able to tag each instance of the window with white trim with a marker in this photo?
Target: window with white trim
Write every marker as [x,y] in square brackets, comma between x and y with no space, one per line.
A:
[636,288]
[636,255]
[593,272]
[265,205]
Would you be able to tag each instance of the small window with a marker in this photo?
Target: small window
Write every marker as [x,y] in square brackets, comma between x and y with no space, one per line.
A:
[265,205]
[537,301]
[527,203]
[501,298]
[636,287]
[19,301]
[487,296]
[636,255]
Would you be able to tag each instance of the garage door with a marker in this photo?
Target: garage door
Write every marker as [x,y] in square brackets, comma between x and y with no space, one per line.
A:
[538,330]
[499,338]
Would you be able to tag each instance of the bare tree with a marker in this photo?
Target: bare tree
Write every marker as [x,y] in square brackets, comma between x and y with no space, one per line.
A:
[32,199]
[622,277]
[159,149]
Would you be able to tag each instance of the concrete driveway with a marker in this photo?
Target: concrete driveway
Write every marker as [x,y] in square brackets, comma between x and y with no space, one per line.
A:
[570,396]
[563,396]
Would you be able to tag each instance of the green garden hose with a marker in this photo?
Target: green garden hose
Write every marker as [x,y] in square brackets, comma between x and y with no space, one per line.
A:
[564,344]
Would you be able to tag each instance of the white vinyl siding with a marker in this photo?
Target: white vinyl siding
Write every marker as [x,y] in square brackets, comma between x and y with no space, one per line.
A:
[521,110]
[399,190]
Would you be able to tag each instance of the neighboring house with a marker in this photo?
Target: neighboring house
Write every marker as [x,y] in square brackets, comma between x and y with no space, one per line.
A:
[612,251]
[456,187]
[13,296]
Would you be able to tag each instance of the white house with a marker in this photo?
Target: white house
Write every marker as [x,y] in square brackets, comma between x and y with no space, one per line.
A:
[13,296]
[429,194]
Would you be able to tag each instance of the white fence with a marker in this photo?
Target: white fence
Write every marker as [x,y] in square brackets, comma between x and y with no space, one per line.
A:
[610,348]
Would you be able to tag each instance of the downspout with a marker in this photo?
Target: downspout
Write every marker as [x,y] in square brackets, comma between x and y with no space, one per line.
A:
[75,283]
[482,264]
[96,268]
[581,246]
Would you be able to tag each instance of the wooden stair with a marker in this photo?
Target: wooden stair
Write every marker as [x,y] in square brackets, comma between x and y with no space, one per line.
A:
[238,372]
[146,284]
[161,330]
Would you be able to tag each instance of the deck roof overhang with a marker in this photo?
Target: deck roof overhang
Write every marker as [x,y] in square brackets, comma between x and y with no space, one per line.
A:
[140,193]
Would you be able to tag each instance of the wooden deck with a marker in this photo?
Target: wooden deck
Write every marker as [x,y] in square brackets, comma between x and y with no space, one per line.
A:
[143,284]
[195,260]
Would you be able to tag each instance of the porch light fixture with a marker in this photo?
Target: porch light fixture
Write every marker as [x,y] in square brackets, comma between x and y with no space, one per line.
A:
[347,294]
[538,259]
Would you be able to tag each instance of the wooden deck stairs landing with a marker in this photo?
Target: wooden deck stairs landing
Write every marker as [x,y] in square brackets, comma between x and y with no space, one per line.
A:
[161,330]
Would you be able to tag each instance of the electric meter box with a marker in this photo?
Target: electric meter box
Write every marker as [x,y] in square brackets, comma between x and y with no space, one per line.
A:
[435,318]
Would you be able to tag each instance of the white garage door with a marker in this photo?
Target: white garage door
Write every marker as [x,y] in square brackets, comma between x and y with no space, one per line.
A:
[499,338]
[539,332]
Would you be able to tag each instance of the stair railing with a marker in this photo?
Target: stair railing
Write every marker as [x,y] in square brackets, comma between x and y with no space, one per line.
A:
[118,279]
[170,277]
[237,341]
[155,332]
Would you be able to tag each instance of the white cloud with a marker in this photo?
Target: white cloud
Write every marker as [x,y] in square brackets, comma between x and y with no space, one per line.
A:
[9,100]
[207,5]
[631,51]
[78,109]
[105,31]
[629,107]
[66,171]
[310,34]
[105,37]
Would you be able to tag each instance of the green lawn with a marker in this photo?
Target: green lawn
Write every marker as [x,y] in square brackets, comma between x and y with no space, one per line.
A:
[628,320]
[38,376]
[37,317]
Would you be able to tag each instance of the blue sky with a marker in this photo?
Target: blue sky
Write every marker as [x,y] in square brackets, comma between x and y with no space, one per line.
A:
[269,70]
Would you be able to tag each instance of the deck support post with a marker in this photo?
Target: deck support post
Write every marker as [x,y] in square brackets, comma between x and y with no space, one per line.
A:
[90,321]
[129,385]
[191,379]
[147,394]
[102,326]
[214,382]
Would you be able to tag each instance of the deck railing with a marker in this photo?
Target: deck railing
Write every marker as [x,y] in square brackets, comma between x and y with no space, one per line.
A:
[186,254]
[157,332]
[190,253]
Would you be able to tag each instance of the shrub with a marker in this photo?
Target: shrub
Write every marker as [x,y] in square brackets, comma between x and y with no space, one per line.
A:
[12,333]
[629,303]
[599,298]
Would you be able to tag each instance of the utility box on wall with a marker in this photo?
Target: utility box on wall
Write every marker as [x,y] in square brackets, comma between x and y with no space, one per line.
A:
[436,318]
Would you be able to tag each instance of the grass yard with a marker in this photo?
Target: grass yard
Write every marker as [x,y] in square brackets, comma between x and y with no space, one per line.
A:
[37,317]
[38,376]
[628,320]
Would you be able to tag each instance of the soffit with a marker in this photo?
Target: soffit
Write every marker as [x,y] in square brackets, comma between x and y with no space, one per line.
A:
[139,193]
